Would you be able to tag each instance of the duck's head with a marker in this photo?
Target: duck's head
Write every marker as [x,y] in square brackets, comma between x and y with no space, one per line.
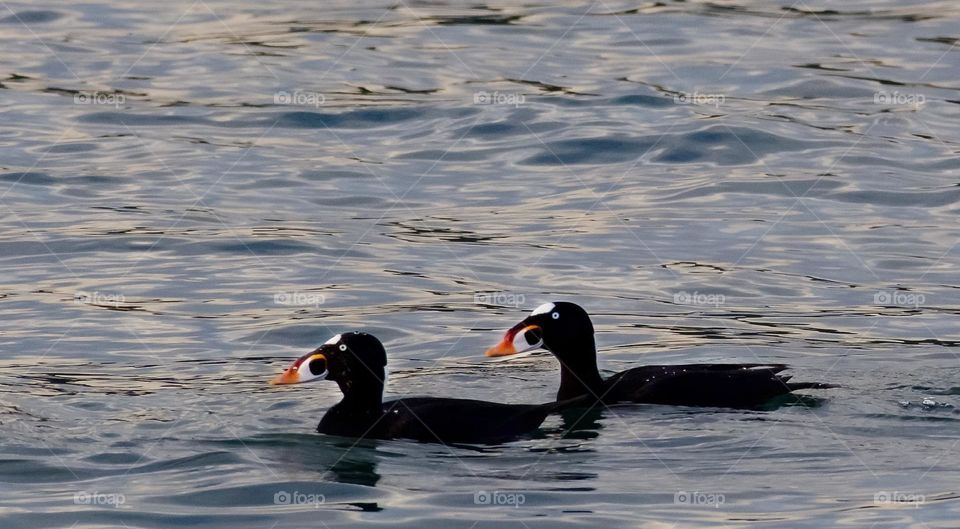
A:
[553,326]
[350,359]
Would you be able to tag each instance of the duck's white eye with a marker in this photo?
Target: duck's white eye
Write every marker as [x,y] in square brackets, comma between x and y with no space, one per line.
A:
[343,347]
[555,315]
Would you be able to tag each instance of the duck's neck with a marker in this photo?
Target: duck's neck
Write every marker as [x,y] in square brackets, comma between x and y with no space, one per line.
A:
[357,414]
[365,399]
[578,370]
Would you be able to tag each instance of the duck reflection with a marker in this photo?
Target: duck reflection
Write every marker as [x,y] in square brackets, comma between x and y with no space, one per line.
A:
[356,466]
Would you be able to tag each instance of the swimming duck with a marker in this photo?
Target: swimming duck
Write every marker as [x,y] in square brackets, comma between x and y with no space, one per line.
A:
[356,361]
[565,329]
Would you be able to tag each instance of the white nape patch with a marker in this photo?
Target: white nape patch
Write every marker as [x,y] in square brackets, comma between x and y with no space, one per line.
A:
[543,309]
[333,340]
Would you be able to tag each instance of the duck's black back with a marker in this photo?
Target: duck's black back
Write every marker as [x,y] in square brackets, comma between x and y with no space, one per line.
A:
[722,385]
[434,419]
[447,420]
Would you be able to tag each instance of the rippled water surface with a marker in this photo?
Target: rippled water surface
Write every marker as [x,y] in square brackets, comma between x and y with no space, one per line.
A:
[194,193]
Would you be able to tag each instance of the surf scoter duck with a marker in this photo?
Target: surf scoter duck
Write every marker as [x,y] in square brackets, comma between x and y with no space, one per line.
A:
[356,362]
[565,329]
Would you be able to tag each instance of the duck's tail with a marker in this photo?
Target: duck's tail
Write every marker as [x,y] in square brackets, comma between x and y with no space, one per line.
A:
[810,385]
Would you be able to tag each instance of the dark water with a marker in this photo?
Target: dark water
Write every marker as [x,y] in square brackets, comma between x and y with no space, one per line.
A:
[194,193]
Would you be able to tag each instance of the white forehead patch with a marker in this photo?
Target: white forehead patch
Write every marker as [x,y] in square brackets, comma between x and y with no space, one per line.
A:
[332,341]
[543,309]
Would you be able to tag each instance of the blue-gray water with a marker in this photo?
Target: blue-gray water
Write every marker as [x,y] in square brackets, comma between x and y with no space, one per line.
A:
[192,194]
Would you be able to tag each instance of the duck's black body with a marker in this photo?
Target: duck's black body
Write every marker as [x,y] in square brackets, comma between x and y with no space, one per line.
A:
[433,419]
[723,385]
[565,330]
[356,362]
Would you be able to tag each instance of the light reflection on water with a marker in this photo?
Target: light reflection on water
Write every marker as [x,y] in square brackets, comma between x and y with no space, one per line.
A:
[192,194]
